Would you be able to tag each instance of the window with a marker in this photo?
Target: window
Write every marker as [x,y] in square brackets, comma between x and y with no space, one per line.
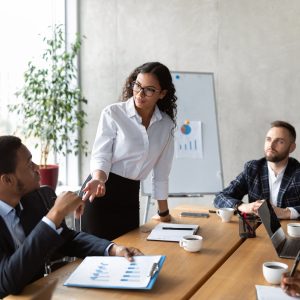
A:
[21,23]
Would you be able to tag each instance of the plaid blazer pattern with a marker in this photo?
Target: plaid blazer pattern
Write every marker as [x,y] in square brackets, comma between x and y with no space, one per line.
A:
[254,182]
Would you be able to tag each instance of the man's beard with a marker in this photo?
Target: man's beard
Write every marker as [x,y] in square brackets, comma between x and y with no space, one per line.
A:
[20,187]
[275,158]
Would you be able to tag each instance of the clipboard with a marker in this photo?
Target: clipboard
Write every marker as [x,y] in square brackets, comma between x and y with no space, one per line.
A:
[112,272]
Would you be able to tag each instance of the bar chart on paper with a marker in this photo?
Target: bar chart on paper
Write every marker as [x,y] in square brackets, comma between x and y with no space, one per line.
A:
[116,272]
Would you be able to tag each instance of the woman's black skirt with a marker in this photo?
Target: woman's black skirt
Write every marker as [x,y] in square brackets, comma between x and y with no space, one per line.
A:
[117,212]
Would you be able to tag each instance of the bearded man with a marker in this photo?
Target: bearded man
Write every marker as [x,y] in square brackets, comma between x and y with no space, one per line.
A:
[274,178]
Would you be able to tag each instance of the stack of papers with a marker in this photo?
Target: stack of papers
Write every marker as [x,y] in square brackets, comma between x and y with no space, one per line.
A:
[271,292]
[171,232]
[116,272]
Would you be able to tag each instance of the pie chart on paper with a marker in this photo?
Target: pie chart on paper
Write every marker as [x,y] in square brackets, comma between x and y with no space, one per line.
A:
[186,129]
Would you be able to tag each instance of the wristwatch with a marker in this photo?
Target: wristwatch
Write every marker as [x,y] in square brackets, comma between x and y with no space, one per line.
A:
[163,213]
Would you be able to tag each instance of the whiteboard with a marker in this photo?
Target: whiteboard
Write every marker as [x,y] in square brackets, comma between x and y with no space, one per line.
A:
[196,168]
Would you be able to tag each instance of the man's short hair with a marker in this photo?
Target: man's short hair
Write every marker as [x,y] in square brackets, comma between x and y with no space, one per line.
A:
[287,126]
[9,145]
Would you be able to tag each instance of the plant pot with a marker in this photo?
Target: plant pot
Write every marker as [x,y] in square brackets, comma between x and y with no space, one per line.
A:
[49,175]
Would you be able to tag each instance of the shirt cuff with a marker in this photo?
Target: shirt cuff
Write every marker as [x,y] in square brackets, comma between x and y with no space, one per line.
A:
[105,167]
[160,190]
[294,213]
[106,251]
[52,225]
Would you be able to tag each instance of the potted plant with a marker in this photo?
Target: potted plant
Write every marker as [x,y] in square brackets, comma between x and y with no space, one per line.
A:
[51,102]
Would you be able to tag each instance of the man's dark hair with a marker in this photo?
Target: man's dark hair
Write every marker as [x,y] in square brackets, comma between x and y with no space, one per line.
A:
[9,145]
[287,126]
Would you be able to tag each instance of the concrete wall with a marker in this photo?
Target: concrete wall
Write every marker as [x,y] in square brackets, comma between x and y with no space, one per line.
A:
[252,47]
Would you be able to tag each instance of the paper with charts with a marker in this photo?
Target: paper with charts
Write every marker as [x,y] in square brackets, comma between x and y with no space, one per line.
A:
[171,232]
[116,272]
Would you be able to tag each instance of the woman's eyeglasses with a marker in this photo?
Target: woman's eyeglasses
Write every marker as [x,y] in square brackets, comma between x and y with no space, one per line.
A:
[147,91]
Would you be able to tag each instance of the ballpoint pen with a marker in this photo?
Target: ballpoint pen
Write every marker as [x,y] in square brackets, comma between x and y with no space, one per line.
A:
[245,222]
[296,262]
[177,228]
[250,228]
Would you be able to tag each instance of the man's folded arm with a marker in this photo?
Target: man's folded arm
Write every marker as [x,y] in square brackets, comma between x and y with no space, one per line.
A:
[27,262]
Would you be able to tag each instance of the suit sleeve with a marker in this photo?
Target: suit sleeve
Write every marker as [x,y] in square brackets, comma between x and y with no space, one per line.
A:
[81,244]
[234,193]
[26,264]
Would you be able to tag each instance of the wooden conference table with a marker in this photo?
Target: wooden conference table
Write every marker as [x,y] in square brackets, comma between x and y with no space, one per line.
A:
[183,272]
[237,277]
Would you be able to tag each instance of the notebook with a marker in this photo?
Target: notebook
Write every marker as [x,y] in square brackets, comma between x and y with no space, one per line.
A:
[285,246]
[271,292]
[171,232]
[113,272]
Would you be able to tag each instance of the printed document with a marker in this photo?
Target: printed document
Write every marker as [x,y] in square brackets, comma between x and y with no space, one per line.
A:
[171,232]
[116,272]
[271,292]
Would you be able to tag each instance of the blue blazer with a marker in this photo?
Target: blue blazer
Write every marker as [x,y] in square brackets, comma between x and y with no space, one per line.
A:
[42,244]
[254,182]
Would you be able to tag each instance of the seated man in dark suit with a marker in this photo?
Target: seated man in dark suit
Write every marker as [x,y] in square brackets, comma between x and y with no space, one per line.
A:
[275,178]
[31,241]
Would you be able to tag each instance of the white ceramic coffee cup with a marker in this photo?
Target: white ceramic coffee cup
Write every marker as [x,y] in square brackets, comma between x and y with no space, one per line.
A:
[293,229]
[191,243]
[273,271]
[225,213]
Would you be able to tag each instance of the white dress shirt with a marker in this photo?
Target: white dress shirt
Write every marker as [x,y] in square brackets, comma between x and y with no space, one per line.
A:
[274,184]
[125,147]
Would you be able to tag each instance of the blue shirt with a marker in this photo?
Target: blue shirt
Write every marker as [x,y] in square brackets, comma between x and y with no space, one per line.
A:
[8,213]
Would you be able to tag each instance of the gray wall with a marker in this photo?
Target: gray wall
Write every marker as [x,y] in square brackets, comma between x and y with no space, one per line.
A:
[252,47]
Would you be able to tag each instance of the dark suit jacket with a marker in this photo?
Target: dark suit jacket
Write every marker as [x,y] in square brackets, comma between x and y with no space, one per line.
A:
[254,181]
[20,267]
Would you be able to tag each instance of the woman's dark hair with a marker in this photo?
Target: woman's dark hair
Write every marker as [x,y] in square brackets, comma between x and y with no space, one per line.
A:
[9,145]
[163,75]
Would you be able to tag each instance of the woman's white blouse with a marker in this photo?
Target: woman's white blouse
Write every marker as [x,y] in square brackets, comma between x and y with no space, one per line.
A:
[123,146]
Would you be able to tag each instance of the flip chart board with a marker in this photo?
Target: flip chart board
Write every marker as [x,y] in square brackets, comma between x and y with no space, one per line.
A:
[196,166]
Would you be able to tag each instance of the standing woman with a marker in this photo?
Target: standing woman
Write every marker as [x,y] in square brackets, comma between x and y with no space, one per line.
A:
[133,138]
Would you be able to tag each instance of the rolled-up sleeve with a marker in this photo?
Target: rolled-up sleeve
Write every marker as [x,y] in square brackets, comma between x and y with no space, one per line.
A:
[161,171]
[101,158]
